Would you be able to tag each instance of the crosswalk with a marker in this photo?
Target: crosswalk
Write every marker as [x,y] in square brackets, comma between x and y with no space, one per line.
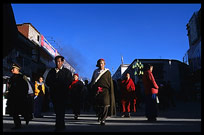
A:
[88,123]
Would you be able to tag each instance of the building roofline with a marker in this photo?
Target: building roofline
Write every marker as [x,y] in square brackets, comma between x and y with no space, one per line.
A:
[124,64]
[29,24]
[155,60]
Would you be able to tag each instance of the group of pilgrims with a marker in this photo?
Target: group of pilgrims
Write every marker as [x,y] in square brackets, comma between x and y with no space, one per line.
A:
[62,85]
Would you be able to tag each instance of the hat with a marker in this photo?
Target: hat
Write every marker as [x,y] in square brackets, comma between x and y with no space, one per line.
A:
[101,59]
[76,74]
[98,62]
[16,66]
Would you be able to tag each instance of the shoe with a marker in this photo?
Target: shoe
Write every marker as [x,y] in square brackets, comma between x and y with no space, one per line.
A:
[27,122]
[128,115]
[123,115]
[75,117]
[154,119]
[31,116]
[102,123]
[99,120]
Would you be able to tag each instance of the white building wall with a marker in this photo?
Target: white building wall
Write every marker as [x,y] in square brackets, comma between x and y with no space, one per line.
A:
[123,68]
[33,35]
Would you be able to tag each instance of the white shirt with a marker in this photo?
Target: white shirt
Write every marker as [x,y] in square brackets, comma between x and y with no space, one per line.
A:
[57,70]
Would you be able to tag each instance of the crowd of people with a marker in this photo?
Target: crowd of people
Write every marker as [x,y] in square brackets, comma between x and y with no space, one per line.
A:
[100,94]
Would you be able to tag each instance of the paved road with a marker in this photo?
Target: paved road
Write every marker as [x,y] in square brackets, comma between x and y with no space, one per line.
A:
[177,119]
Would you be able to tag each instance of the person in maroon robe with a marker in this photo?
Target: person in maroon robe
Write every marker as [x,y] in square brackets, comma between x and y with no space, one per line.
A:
[151,91]
[102,86]
[128,97]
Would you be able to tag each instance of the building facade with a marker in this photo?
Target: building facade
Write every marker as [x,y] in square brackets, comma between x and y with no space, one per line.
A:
[194,35]
[165,70]
[121,69]
[193,54]
[30,32]
[23,44]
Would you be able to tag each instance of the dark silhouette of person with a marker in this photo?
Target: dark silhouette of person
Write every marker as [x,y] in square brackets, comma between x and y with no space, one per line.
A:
[87,97]
[151,89]
[58,81]
[138,95]
[162,97]
[76,89]
[170,95]
[17,102]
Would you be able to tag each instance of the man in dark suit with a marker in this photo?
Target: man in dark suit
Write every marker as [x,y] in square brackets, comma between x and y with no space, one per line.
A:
[17,103]
[58,81]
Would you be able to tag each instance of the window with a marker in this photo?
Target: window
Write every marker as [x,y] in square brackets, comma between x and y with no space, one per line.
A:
[38,37]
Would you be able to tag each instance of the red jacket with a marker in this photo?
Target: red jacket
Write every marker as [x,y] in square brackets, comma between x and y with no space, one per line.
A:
[128,85]
[150,85]
[127,89]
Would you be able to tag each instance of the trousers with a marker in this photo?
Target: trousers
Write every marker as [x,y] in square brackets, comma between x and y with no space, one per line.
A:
[102,113]
[59,108]
[150,106]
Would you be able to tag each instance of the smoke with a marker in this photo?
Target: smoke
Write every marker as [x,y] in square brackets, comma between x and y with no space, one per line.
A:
[73,57]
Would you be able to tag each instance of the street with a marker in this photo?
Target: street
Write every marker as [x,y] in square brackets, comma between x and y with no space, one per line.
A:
[178,119]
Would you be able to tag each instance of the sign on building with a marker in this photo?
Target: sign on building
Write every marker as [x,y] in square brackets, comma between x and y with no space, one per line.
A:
[47,46]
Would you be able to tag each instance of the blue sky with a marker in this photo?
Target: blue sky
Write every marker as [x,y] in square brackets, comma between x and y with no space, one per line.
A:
[88,32]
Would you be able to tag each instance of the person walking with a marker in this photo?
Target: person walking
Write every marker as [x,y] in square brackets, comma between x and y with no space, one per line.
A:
[171,94]
[58,81]
[138,95]
[39,97]
[17,102]
[75,89]
[102,86]
[128,97]
[30,96]
[151,91]
[86,97]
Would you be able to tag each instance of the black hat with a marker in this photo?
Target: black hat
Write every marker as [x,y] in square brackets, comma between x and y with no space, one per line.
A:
[16,66]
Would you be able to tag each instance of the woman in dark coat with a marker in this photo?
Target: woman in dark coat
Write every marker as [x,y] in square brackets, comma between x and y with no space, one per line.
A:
[76,95]
[17,102]
[102,86]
